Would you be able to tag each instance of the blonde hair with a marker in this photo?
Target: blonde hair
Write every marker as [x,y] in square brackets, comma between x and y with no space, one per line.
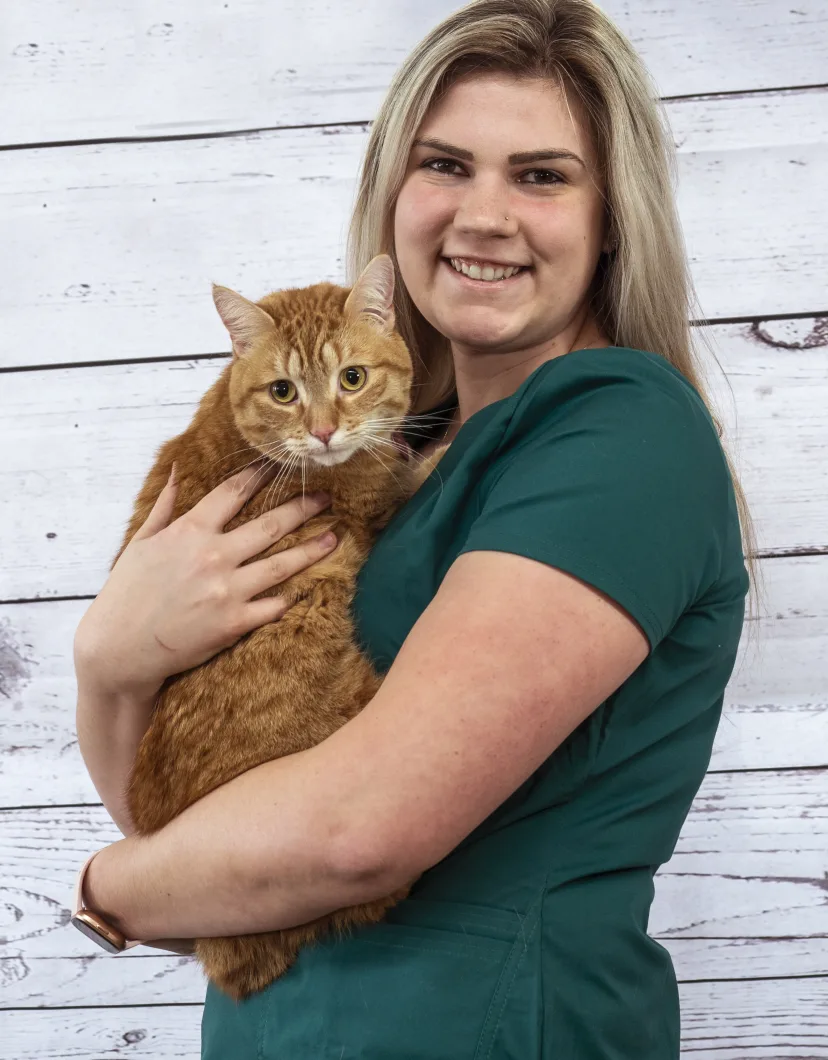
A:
[643,291]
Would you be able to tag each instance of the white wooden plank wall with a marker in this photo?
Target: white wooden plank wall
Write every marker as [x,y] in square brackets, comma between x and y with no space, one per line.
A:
[119,203]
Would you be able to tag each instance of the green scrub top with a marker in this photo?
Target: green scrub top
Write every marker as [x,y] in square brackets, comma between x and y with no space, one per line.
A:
[529,939]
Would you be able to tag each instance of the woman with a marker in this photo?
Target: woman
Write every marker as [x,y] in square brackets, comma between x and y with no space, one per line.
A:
[558,610]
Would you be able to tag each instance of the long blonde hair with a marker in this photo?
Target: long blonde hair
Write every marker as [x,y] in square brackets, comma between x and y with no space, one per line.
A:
[643,292]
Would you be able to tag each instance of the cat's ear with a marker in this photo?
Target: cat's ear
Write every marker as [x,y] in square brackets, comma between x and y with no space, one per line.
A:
[372,296]
[243,319]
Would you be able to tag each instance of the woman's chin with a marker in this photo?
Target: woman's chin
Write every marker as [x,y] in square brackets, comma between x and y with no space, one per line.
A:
[487,329]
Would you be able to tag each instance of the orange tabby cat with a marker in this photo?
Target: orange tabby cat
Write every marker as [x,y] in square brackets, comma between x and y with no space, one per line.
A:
[319,381]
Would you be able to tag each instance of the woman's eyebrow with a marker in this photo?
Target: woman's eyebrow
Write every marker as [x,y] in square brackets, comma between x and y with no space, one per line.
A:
[514,160]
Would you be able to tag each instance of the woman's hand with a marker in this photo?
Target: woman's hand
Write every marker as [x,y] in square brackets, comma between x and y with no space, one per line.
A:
[179,593]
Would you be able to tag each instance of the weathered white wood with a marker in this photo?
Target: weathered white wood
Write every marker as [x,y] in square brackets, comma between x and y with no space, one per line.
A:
[163,1032]
[75,445]
[136,978]
[775,713]
[110,249]
[783,1019]
[156,69]
[766,1020]
[750,861]
[702,959]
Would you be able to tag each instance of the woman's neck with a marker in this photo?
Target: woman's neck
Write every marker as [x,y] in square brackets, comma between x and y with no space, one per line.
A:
[481,378]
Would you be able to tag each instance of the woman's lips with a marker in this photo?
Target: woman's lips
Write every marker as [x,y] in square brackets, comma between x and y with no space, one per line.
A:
[497,284]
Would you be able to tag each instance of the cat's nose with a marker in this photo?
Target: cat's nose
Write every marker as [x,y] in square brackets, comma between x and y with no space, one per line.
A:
[323,433]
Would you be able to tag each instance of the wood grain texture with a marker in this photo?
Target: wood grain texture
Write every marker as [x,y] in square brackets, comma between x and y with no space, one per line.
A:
[775,713]
[160,68]
[763,1020]
[115,247]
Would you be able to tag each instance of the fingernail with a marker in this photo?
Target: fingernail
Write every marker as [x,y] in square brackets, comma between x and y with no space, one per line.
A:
[321,496]
[328,539]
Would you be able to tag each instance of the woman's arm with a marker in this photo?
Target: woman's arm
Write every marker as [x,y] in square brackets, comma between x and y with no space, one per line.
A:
[110,724]
[177,594]
[507,660]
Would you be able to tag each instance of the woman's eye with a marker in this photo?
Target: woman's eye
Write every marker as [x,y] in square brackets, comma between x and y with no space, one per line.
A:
[551,176]
[283,391]
[352,378]
[547,172]
[432,162]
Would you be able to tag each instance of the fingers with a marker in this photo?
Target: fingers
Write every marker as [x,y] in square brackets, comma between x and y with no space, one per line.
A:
[258,534]
[263,574]
[162,510]
[218,507]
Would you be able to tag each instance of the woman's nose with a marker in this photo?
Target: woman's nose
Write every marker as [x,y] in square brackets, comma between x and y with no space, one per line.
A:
[485,211]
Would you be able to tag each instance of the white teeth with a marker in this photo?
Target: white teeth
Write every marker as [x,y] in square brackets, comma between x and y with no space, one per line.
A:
[485,272]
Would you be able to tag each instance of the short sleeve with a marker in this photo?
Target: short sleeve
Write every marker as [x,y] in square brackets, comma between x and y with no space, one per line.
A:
[614,475]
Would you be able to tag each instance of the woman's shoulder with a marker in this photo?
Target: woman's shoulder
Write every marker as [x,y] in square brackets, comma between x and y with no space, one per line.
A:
[627,390]
[611,368]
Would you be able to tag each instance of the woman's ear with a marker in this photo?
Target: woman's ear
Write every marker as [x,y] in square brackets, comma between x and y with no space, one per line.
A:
[372,296]
[244,320]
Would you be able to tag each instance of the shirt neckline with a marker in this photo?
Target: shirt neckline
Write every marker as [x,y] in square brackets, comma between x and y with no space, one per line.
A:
[451,402]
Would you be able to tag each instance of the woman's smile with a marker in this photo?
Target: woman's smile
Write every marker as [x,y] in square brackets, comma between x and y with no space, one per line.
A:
[469,282]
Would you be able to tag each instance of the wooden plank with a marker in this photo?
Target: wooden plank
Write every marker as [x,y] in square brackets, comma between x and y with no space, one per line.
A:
[110,249]
[125,238]
[750,861]
[782,1019]
[777,1019]
[77,443]
[153,69]
[137,978]
[699,960]
[164,1032]
[775,713]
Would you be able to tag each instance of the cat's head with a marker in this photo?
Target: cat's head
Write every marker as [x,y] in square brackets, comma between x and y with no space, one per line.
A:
[319,372]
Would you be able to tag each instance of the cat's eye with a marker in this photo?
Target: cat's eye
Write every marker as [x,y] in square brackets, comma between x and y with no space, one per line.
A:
[283,390]
[352,378]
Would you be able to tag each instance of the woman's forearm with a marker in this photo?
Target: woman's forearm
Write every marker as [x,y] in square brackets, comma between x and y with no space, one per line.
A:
[110,725]
[256,854]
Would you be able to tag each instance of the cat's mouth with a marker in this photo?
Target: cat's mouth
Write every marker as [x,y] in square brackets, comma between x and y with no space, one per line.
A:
[333,455]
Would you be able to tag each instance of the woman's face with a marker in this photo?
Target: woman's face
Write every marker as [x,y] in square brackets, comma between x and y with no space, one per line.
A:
[455,201]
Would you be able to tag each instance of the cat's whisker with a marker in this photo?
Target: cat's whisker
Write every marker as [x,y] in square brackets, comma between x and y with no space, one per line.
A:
[284,476]
[258,452]
[245,449]
[419,419]
[373,452]
[413,416]
[281,476]
[378,439]
[434,465]
[250,449]
[406,428]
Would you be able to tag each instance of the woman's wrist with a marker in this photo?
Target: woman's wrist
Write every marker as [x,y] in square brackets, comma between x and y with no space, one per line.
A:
[106,886]
[107,682]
